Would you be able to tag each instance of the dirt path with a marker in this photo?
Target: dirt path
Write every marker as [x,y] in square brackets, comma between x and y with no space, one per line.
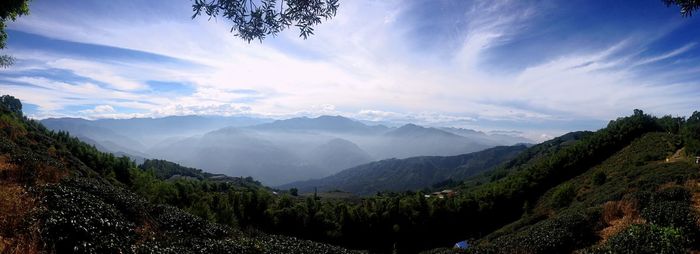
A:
[677,156]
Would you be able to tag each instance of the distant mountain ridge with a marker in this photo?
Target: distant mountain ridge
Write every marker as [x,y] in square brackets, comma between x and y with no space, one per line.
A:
[275,152]
[322,123]
[409,174]
[413,130]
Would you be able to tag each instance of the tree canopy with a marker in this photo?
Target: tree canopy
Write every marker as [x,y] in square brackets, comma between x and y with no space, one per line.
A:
[257,19]
[10,10]
[687,6]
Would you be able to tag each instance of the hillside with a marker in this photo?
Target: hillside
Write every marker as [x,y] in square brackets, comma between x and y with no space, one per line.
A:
[634,191]
[60,195]
[409,174]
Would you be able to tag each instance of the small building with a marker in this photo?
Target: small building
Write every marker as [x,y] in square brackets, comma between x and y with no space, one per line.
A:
[443,194]
[448,193]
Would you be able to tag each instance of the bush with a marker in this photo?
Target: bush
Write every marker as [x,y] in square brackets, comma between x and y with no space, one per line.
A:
[647,238]
[561,234]
[563,196]
[674,214]
[599,178]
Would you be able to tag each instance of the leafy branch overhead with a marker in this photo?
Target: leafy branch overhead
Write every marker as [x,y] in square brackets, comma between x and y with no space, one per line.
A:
[9,11]
[256,19]
[687,6]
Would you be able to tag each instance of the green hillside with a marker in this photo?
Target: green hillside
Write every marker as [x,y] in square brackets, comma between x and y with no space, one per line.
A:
[634,200]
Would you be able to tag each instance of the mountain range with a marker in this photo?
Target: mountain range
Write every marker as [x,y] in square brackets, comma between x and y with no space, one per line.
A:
[274,151]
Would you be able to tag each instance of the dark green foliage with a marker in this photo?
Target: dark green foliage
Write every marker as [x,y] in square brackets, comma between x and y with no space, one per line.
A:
[562,234]
[687,6]
[625,180]
[164,169]
[647,238]
[12,104]
[671,214]
[87,216]
[294,192]
[691,134]
[9,11]
[563,196]
[79,221]
[671,124]
[258,19]
[599,178]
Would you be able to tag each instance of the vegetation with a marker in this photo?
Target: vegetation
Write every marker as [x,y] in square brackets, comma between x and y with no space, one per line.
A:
[687,6]
[258,19]
[9,11]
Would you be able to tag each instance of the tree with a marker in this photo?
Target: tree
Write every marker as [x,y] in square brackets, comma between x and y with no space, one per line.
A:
[267,17]
[294,192]
[10,10]
[687,6]
[12,104]
[691,134]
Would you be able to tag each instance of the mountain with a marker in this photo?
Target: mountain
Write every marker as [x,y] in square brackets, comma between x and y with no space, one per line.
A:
[416,131]
[103,138]
[413,140]
[338,154]
[274,152]
[305,148]
[409,174]
[238,152]
[335,124]
[148,131]
[497,138]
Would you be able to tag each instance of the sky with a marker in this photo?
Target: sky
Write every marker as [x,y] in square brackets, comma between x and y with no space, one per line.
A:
[540,68]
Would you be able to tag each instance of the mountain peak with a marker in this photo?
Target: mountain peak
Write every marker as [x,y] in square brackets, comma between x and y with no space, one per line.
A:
[417,130]
[322,123]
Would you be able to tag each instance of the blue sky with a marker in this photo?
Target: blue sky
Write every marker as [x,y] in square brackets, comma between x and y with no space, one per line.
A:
[540,67]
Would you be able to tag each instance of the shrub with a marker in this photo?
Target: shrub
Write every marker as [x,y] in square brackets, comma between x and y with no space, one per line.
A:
[563,196]
[647,238]
[599,178]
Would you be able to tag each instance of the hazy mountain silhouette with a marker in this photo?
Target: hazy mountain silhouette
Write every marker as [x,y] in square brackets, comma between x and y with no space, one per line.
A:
[275,152]
[409,174]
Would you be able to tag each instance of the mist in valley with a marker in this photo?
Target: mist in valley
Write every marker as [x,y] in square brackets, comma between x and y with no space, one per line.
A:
[274,151]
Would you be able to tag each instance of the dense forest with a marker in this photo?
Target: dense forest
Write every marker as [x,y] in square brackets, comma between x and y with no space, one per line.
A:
[631,186]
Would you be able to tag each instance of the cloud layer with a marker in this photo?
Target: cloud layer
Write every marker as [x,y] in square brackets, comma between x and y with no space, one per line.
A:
[539,67]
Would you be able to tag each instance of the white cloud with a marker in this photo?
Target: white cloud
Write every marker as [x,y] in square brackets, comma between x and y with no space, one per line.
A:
[100,109]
